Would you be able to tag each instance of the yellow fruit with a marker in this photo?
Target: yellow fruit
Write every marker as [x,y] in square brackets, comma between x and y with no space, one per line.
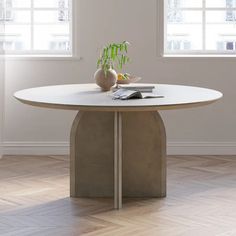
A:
[120,77]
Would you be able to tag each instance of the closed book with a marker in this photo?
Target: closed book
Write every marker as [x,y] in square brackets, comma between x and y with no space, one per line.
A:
[136,87]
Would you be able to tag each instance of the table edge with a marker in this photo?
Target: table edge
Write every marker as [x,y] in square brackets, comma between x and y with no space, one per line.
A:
[117,108]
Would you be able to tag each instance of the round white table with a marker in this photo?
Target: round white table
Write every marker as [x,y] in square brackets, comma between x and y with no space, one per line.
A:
[117,147]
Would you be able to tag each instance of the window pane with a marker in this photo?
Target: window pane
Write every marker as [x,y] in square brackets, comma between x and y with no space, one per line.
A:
[20,3]
[51,3]
[52,37]
[15,4]
[2,36]
[184,3]
[220,37]
[228,16]
[178,16]
[50,16]
[17,17]
[1,28]
[17,37]
[184,30]
[220,3]
[184,37]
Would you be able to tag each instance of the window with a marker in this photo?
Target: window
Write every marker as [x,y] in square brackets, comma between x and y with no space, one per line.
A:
[200,27]
[36,27]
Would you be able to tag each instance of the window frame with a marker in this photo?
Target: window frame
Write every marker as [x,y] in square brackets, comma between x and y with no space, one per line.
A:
[162,30]
[48,54]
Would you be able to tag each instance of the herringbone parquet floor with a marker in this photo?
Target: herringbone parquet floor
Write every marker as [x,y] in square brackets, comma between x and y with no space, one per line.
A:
[34,201]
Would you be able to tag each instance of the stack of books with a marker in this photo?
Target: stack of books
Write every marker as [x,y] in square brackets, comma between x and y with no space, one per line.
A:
[136,87]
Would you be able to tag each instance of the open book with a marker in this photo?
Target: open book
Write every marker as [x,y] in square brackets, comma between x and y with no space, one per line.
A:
[124,94]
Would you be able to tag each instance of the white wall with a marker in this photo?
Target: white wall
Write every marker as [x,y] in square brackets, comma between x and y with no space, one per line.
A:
[2,76]
[206,130]
[2,69]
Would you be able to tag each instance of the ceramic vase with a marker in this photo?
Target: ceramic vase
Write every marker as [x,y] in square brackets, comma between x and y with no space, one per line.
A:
[106,82]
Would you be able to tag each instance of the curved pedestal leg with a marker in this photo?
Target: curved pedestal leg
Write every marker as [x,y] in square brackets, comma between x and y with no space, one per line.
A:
[101,141]
[91,155]
[144,155]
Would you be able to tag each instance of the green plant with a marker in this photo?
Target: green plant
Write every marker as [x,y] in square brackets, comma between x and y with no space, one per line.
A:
[112,56]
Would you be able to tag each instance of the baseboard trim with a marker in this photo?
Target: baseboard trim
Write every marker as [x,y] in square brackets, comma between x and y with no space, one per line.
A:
[202,148]
[173,148]
[35,148]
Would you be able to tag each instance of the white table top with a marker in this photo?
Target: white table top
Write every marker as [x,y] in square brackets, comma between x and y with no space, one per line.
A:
[89,97]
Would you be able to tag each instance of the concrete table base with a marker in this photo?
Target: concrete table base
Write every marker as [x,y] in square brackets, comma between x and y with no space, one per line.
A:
[118,154]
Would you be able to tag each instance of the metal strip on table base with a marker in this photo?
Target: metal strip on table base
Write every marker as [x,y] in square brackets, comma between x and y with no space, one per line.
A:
[117,160]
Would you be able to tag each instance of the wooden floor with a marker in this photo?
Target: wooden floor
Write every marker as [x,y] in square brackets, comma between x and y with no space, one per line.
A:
[34,201]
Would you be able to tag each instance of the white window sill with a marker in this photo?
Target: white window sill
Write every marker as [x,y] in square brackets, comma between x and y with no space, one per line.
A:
[217,56]
[39,58]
